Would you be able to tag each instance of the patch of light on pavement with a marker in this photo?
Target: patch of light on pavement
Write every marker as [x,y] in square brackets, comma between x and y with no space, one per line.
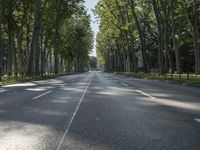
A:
[22,136]
[52,81]
[122,89]
[72,89]
[2,90]
[178,104]
[62,99]
[97,88]
[20,85]
[198,120]
[59,101]
[80,83]
[39,89]
[109,93]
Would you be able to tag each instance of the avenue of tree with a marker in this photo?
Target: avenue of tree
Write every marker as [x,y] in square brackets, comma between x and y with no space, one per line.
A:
[44,36]
[149,35]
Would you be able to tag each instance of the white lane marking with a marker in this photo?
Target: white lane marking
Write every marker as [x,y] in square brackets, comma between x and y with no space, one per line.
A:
[145,94]
[41,95]
[73,116]
[124,84]
[1,91]
[198,120]
[64,85]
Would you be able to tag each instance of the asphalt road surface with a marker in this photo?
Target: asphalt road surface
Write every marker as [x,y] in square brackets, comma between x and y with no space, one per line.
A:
[99,111]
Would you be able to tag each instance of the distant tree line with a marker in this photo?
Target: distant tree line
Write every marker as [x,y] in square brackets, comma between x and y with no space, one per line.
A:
[142,35]
[93,62]
[44,36]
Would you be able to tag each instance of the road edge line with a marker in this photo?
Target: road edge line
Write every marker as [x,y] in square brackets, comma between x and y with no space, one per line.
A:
[73,116]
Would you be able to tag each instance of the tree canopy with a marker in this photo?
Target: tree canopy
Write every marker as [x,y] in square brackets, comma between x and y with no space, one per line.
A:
[93,62]
[140,35]
[44,36]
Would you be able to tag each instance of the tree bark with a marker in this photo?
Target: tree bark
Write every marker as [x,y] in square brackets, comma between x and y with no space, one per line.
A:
[1,39]
[141,36]
[10,37]
[176,40]
[195,34]
[20,53]
[160,35]
[33,67]
[57,27]
[131,50]
[169,67]
[176,46]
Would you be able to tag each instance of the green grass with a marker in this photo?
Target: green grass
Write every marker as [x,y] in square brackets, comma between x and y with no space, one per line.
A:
[182,78]
[9,80]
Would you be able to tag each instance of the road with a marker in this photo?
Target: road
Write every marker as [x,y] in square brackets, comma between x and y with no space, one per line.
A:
[99,111]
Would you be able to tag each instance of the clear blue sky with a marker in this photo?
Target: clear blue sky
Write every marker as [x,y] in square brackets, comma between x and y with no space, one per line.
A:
[90,4]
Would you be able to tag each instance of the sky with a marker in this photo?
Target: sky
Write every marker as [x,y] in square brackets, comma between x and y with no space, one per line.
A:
[90,4]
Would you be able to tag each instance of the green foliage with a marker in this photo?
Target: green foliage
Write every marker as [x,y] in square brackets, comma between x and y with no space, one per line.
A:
[61,41]
[143,34]
[93,62]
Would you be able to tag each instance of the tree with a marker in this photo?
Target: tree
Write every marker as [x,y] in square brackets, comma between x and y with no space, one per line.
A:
[93,62]
[33,67]
[194,20]
[40,37]
[1,38]
[141,34]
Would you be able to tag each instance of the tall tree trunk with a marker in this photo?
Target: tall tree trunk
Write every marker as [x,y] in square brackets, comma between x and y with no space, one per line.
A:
[176,40]
[176,43]
[141,36]
[131,50]
[33,67]
[1,39]
[20,53]
[57,27]
[169,67]
[42,54]
[160,35]
[27,26]
[44,51]
[50,63]
[15,61]
[195,34]
[10,37]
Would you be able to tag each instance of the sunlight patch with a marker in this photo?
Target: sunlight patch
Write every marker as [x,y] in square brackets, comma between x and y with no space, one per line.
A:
[22,136]
[39,89]
[20,85]
[108,93]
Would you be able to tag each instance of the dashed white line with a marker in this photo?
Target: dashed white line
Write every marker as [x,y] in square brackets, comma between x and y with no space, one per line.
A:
[1,91]
[41,95]
[124,84]
[145,94]
[198,120]
[74,114]
[64,85]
